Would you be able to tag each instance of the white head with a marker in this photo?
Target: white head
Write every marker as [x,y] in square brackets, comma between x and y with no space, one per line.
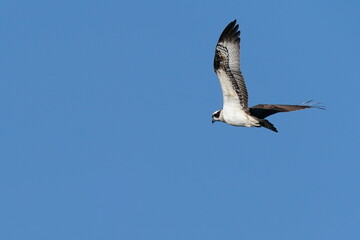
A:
[217,116]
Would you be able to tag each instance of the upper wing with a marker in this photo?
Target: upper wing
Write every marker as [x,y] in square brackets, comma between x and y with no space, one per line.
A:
[227,67]
[264,110]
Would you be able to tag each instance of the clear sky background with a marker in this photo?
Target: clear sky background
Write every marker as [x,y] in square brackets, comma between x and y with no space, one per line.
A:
[105,115]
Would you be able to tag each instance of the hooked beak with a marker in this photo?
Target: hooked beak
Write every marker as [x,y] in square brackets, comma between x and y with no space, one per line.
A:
[212,121]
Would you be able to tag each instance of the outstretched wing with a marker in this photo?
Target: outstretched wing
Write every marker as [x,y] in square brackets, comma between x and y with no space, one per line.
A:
[264,110]
[227,68]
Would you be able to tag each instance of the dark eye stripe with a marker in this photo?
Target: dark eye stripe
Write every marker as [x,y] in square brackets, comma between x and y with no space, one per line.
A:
[217,114]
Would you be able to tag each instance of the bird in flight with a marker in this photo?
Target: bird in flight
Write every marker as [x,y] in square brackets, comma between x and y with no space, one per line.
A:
[235,96]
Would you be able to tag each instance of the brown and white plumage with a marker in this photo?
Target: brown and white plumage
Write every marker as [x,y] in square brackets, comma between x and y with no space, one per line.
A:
[227,65]
[235,96]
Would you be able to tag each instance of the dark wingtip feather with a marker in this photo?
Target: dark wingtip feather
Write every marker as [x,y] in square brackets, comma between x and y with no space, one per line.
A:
[231,32]
[266,124]
[311,104]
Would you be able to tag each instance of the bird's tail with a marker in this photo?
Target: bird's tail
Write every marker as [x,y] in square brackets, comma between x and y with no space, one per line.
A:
[266,124]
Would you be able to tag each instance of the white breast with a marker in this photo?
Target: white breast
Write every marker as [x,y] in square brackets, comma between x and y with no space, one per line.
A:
[238,117]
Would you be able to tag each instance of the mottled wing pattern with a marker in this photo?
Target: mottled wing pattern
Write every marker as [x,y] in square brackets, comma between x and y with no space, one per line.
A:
[227,67]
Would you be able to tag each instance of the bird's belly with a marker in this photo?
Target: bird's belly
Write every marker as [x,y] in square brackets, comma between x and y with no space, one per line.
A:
[240,119]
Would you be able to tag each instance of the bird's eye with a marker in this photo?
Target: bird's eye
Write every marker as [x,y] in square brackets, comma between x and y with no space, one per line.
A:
[216,115]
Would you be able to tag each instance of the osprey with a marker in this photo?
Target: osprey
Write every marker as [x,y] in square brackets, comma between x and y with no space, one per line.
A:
[235,97]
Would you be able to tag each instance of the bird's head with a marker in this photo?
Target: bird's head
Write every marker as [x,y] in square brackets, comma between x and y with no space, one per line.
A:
[217,116]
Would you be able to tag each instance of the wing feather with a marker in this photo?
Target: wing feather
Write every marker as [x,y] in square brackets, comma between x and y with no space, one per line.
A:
[227,67]
[264,110]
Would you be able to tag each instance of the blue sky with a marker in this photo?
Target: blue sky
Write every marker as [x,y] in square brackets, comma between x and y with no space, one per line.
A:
[106,121]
